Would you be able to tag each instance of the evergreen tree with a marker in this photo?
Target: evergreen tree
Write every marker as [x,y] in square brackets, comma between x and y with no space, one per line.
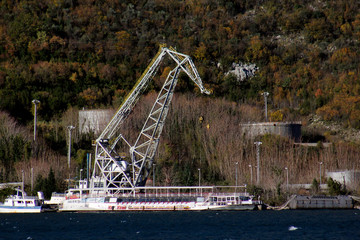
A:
[50,184]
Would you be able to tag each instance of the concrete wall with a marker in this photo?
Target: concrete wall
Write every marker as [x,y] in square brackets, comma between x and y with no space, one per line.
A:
[290,130]
[349,178]
[94,120]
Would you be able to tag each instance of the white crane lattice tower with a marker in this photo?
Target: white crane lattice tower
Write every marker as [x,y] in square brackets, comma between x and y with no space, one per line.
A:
[113,173]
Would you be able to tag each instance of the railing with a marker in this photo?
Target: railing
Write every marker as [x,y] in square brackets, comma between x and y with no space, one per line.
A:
[159,191]
[10,184]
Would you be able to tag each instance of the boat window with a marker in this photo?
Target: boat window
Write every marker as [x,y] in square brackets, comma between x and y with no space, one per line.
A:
[215,199]
[232,198]
[243,198]
[228,198]
[98,184]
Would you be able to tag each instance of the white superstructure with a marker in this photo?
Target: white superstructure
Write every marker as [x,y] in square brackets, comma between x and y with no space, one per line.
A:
[159,199]
[21,203]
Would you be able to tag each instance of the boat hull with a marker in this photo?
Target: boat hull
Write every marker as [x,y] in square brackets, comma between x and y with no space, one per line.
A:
[10,209]
[240,207]
[83,205]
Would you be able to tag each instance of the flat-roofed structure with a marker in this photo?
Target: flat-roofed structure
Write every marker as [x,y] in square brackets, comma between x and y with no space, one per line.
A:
[285,129]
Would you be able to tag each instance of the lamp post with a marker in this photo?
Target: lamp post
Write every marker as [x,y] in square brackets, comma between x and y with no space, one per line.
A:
[154,174]
[80,182]
[265,94]
[22,182]
[199,176]
[70,128]
[251,174]
[36,103]
[236,175]
[287,178]
[200,180]
[320,172]
[32,178]
[88,164]
[258,162]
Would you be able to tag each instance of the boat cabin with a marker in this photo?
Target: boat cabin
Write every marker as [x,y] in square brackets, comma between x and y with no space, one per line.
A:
[230,199]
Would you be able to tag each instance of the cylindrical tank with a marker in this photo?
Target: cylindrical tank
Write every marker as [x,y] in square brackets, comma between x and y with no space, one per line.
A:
[286,129]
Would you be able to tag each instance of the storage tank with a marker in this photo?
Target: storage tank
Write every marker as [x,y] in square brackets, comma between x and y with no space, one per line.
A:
[285,129]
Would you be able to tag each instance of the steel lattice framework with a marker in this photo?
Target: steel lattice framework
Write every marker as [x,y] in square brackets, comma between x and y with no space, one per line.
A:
[114,172]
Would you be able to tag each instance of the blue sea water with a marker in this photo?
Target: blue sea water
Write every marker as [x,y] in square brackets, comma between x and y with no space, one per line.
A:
[286,224]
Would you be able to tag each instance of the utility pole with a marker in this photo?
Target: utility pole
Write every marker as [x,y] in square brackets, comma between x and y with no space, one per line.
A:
[320,172]
[236,175]
[265,94]
[199,176]
[36,103]
[88,164]
[251,174]
[32,179]
[258,161]
[22,182]
[154,174]
[287,178]
[70,128]
[200,180]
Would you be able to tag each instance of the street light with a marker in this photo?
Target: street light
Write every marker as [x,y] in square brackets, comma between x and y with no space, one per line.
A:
[320,171]
[70,128]
[199,177]
[154,174]
[22,182]
[35,102]
[251,174]
[32,178]
[200,180]
[258,162]
[236,175]
[265,94]
[287,178]
[81,170]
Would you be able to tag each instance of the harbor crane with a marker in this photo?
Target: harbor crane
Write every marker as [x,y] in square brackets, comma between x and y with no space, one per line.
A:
[112,172]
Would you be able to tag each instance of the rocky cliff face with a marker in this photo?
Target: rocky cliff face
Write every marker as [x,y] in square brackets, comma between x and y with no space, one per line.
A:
[332,131]
[242,71]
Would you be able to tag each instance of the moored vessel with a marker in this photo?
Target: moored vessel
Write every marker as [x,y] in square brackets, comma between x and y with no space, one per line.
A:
[158,199]
[21,203]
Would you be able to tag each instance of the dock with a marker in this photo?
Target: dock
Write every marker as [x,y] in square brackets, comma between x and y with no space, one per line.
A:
[321,202]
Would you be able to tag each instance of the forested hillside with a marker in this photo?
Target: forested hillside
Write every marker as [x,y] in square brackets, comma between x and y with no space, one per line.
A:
[88,54]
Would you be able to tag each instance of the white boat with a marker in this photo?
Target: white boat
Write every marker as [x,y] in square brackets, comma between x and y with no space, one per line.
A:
[163,200]
[54,202]
[21,203]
